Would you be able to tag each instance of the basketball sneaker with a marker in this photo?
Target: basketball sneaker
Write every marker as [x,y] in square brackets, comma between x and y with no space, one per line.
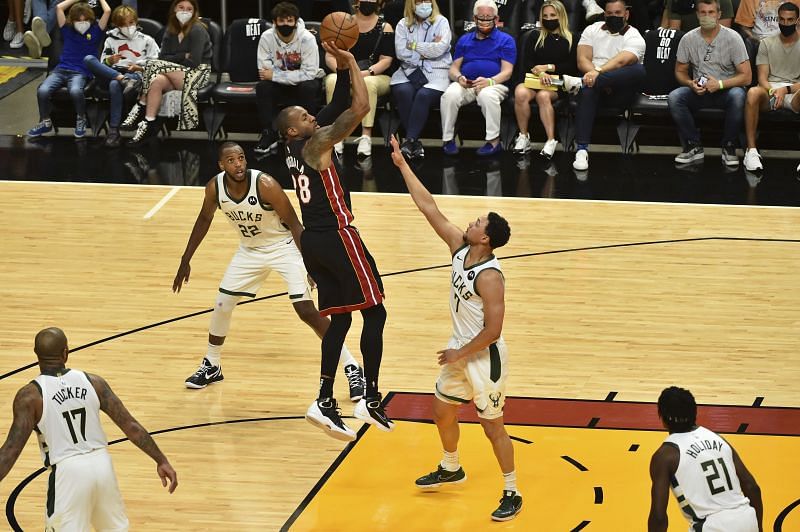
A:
[206,374]
[510,506]
[370,410]
[441,476]
[325,414]
[355,379]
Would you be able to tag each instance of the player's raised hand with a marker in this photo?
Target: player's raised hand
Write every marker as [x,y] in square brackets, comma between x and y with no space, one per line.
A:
[182,277]
[343,57]
[397,155]
[165,472]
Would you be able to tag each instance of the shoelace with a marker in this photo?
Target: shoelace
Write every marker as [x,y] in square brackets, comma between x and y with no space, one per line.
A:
[353,378]
[201,370]
[333,412]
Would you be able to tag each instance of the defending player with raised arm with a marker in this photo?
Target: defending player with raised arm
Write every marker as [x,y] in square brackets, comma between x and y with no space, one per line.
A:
[62,405]
[714,489]
[259,210]
[474,365]
[334,253]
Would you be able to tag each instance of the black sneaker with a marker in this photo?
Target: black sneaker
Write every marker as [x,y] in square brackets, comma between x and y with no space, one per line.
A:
[510,506]
[355,379]
[135,116]
[112,139]
[145,130]
[418,151]
[325,414]
[407,148]
[370,410]
[205,375]
[441,476]
[267,143]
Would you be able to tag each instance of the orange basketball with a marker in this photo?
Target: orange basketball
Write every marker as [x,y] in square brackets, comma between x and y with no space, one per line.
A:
[341,28]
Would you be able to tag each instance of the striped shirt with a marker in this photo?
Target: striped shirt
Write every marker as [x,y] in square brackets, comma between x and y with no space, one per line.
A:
[433,58]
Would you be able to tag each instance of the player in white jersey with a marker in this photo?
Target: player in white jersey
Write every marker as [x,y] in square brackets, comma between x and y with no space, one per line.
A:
[474,366]
[259,210]
[63,406]
[714,489]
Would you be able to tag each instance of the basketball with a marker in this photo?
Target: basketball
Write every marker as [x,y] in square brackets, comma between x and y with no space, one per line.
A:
[341,28]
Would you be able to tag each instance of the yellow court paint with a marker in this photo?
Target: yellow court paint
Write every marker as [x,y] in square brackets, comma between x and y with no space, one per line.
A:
[8,72]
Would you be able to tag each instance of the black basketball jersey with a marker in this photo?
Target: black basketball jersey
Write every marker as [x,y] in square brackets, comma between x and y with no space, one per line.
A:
[659,60]
[324,201]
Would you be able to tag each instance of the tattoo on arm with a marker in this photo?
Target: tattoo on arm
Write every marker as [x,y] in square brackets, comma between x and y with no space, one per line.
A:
[24,420]
[325,137]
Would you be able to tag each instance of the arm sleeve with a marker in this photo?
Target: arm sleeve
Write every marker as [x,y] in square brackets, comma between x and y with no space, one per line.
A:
[340,100]
[151,49]
[432,50]
[168,45]
[762,57]
[309,63]
[199,40]
[726,9]
[635,45]
[400,46]
[264,54]
[107,50]
[509,51]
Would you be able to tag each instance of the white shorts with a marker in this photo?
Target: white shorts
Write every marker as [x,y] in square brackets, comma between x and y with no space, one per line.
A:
[742,519]
[250,266]
[787,100]
[82,493]
[480,378]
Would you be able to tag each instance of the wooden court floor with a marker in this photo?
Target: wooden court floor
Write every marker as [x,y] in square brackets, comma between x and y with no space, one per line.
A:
[600,298]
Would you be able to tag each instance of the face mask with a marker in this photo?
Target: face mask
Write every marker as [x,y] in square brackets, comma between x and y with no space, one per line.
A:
[285,29]
[707,23]
[550,25]
[615,24]
[788,30]
[128,31]
[82,26]
[184,16]
[367,8]
[423,11]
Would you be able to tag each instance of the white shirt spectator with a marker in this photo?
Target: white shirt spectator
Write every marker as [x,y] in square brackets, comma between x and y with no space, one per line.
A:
[606,45]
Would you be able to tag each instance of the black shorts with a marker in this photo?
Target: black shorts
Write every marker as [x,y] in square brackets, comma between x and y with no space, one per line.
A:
[346,276]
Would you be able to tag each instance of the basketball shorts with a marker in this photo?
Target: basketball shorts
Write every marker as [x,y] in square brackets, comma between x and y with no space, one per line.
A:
[480,378]
[82,493]
[346,276]
[742,519]
[251,266]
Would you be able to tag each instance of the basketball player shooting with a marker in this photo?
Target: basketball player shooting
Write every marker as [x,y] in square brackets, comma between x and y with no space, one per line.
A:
[337,259]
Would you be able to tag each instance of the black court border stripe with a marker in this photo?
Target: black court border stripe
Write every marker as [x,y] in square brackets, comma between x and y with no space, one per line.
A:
[422,269]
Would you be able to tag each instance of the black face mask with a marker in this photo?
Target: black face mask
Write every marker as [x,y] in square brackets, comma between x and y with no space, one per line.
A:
[285,29]
[367,8]
[551,24]
[788,30]
[615,24]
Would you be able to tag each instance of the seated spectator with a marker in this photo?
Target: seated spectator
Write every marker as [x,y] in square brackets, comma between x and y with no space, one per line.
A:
[712,68]
[610,57]
[374,52]
[14,28]
[482,65]
[554,53]
[81,33]
[184,64]
[758,19]
[125,53]
[422,44]
[778,64]
[682,15]
[288,67]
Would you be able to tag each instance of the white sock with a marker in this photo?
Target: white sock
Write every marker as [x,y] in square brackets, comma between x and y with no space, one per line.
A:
[150,118]
[450,461]
[510,480]
[213,354]
[346,358]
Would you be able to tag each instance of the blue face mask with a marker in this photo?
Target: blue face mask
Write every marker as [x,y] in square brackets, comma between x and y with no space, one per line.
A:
[423,10]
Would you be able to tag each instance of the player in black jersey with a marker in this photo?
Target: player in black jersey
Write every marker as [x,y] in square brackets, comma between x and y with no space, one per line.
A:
[335,256]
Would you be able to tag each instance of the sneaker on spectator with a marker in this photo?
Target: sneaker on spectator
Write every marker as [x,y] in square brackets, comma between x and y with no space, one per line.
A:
[267,142]
[752,160]
[33,44]
[42,128]
[145,130]
[523,143]
[753,178]
[450,147]
[572,84]
[523,163]
[407,148]
[693,152]
[729,157]
[593,11]
[9,30]
[339,148]
[549,148]
[490,149]
[18,41]
[581,161]
[364,147]
[135,116]
[113,139]
[39,29]
[80,126]
[418,151]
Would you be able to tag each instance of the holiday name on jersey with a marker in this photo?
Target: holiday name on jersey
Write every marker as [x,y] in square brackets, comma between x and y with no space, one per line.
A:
[242,216]
[703,445]
[460,285]
[70,393]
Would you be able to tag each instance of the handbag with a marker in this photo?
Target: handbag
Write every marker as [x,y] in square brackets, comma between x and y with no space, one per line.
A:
[364,64]
[417,78]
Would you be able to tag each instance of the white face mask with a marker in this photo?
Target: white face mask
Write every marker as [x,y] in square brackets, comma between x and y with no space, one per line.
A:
[183,16]
[128,31]
[82,26]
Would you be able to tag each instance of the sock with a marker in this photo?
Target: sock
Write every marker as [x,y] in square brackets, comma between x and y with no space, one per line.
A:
[150,118]
[325,388]
[346,358]
[450,461]
[213,354]
[510,480]
[583,147]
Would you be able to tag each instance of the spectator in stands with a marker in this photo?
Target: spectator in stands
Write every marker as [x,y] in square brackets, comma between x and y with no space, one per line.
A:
[81,33]
[682,14]
[184,64]
[422,44]
[758,19]
[778,64]
[482,65]
[288,66]
[125,53]
[712,68]
[374,53]
[553,53]
[14,28]
[610,57]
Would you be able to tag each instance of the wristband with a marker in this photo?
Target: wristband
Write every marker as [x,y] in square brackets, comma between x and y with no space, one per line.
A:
[413,45]
[721,86]
[491,81]
[551,66]
[771,91]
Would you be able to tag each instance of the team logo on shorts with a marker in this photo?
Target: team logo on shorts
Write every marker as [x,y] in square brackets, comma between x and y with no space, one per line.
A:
[252,200]
[495,399]
[471,275]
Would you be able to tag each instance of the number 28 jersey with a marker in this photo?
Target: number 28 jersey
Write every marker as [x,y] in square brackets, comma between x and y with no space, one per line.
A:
[70,423]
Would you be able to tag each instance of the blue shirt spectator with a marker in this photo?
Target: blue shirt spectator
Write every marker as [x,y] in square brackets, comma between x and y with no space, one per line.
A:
[77,46]
[482,57]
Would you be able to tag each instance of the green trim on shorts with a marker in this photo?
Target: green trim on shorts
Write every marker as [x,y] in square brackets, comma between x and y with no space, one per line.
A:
[296,296]
[457,399]
[495,366]
[232,293]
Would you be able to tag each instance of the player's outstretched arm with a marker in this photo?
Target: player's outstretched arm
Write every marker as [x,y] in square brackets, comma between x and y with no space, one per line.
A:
[27,410]
[447,231]
[199,231]
[136,433]
[662,466]
[271,191]
[750,488]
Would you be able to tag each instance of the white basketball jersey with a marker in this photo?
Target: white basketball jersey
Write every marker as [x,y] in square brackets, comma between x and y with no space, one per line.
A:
[706,481]
[70,423]
[254,219]
[466,305]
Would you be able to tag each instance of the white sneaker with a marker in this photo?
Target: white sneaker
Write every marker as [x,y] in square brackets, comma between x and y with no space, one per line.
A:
[18,41]
[549,148]
[369,410]
[9,30]
[592,9]
[325,415]
[523,143]
[339,148]
[364,148]
[581,161]
[39,29]
[572,84]
[752,160]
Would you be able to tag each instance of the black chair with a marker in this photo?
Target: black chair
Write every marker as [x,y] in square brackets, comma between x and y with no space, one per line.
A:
[204,95]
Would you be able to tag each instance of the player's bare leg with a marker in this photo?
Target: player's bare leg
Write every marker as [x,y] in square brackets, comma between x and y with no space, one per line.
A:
[511,501]
[449,470]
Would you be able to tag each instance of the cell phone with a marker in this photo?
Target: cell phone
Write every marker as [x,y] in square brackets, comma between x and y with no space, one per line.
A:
[702,80]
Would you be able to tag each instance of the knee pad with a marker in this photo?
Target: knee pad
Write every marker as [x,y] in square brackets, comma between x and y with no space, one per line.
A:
[221,315]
